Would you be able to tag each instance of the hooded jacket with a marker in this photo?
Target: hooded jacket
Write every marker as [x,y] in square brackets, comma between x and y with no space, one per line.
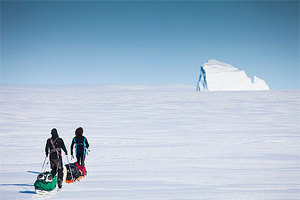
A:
[57,142]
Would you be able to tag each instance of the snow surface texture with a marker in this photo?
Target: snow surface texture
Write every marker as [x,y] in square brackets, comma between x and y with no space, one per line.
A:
[218,76]
[156,142]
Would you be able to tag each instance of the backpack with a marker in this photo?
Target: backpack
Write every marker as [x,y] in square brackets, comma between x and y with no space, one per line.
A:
[80,146]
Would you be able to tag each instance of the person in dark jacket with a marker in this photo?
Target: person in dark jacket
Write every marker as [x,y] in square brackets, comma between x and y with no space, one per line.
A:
[81,146]
[53,148]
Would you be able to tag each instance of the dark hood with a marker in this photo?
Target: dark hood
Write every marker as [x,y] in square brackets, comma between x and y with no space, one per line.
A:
[54,134]
[79,131]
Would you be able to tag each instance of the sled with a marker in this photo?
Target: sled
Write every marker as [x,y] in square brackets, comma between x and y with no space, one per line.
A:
[75,172]
[45,183]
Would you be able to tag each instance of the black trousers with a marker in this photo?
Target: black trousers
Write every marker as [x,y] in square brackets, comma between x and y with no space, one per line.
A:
[80,158]
[57,168]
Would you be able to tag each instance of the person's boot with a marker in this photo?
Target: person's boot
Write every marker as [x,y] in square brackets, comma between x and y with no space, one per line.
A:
[59,183]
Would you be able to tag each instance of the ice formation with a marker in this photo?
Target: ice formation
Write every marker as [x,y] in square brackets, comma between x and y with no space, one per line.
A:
[219,76]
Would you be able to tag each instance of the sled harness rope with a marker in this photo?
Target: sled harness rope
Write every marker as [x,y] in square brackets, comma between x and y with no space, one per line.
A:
[54,149]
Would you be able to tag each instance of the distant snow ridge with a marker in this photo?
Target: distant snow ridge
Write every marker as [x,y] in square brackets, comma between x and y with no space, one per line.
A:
[218,76]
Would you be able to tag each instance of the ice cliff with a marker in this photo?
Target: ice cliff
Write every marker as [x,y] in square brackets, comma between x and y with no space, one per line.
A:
[219,76]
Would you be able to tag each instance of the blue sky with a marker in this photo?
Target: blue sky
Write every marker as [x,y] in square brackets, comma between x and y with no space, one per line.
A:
[147,42]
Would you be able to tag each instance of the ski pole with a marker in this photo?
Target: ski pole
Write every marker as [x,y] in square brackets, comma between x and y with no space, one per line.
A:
[46,166]
[44,163]
[70,168]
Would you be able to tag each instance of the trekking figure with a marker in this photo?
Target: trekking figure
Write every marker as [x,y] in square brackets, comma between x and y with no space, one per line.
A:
[53,147]
[81,146]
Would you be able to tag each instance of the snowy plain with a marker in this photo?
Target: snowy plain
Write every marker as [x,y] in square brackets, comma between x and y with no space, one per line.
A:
[155,142]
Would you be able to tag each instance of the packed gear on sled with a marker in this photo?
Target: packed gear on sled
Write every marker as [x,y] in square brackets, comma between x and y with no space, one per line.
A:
[81,146]
[45,181]
[81,169]
[53,148]
[73,173]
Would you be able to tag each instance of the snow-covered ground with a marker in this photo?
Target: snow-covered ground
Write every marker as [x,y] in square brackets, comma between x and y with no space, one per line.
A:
[156,142]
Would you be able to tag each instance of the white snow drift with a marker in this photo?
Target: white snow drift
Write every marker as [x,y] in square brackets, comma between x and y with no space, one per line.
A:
[155,143]
[219,76]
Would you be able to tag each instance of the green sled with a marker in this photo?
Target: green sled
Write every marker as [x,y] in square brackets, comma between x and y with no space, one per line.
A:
[45,181]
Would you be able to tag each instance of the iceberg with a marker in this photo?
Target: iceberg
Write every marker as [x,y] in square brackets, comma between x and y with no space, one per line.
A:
[219,76]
